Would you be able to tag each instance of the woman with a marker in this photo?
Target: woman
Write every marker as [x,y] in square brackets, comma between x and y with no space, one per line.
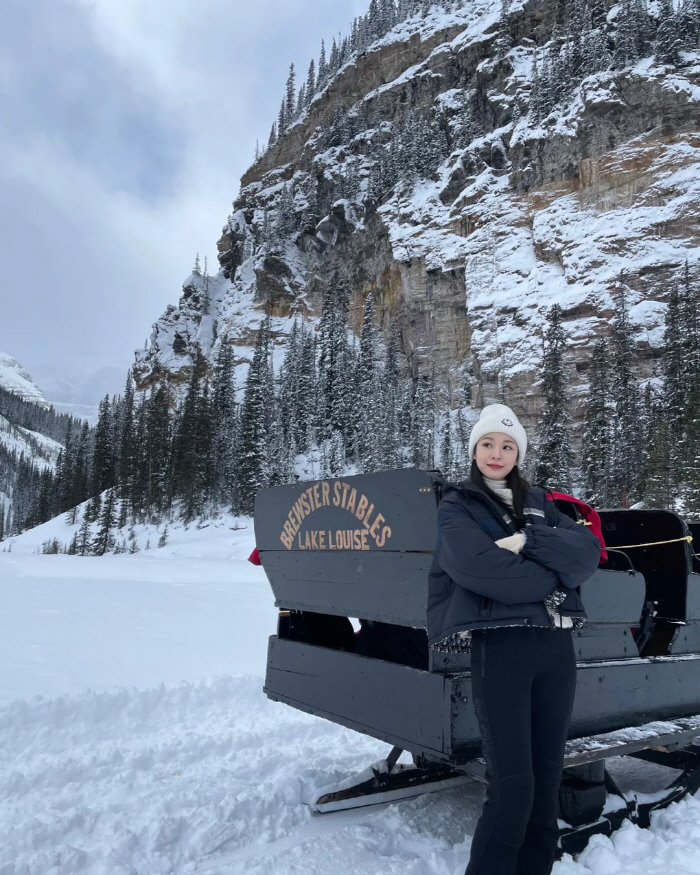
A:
[503,583]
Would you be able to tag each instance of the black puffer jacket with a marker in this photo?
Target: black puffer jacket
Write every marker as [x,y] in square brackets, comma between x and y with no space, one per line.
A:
[476,584]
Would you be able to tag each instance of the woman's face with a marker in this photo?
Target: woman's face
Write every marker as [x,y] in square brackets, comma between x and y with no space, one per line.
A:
[496,455]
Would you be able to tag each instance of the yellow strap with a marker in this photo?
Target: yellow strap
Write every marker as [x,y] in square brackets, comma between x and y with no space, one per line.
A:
[687,538]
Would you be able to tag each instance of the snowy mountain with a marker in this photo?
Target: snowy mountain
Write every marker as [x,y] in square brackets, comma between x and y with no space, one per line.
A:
[14,378]
[16,438]
[470,167]
[32,437]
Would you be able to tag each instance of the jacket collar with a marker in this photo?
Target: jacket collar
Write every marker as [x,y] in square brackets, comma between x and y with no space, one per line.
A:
[470,490]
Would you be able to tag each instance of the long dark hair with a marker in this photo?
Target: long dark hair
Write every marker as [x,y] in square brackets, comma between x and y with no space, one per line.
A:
[516,483]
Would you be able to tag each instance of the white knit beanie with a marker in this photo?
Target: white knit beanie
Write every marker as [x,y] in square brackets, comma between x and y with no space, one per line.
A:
[498,417]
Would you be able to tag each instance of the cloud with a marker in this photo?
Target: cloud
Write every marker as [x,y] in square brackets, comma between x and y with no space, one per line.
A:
[131,124]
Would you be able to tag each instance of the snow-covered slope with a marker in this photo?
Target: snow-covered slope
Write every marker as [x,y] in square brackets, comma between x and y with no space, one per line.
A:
[30,435]
[14,438]
[135,737]
[44,450]
[14,378]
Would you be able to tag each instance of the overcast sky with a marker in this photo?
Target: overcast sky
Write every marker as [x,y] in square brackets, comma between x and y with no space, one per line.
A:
[125,126]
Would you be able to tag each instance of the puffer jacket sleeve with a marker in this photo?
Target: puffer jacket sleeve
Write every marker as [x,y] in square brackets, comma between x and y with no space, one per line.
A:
[472,560]
[567,548]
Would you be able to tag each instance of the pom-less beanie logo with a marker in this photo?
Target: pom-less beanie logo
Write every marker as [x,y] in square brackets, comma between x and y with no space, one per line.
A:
[508,422]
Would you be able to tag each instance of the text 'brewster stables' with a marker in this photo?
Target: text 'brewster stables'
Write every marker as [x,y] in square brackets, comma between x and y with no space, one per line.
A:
[345,497]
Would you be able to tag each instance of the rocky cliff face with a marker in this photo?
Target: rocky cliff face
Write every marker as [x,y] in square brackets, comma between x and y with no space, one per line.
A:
[515,214]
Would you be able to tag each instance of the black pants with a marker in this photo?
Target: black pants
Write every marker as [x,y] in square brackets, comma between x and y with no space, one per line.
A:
[523,684]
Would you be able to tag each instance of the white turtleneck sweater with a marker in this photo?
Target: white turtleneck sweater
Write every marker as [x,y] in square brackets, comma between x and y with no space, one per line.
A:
[500,488]
[514,543]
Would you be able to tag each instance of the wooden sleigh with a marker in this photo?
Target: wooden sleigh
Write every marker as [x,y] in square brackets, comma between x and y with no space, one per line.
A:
[361,547]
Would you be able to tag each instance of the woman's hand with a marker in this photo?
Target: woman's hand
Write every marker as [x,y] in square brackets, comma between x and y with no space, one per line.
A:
[514,543]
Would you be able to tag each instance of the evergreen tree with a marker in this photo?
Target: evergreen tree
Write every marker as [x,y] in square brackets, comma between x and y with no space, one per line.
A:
[658,481]
[127,453]
[625,42]
[675,386]
[633,34]
[689,305]
[161,477]
[645,27]
[668,44]
[422,431]
[322,68]
[185,462]
[310,83]
[104,539]
[390,437]
[367,381]
[447,460]
[81,469]
[554,456]
[301,101]
[252,471]
[65,469]
[336,455]
[539,105]
[205,300]
[89,514]
[139,484]
[290,99]
[688,23]
[123,517]
[288,405]
[306,391]
[596,444]
[202,492]
[334,376]
[691,455]
[225,425]
[627,438]
[503,38]
[104,456]
[285,224]
[688,453]
[599,11]
[333,59]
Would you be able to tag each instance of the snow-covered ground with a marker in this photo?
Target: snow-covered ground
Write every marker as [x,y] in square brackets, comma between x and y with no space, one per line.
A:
[135,738]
